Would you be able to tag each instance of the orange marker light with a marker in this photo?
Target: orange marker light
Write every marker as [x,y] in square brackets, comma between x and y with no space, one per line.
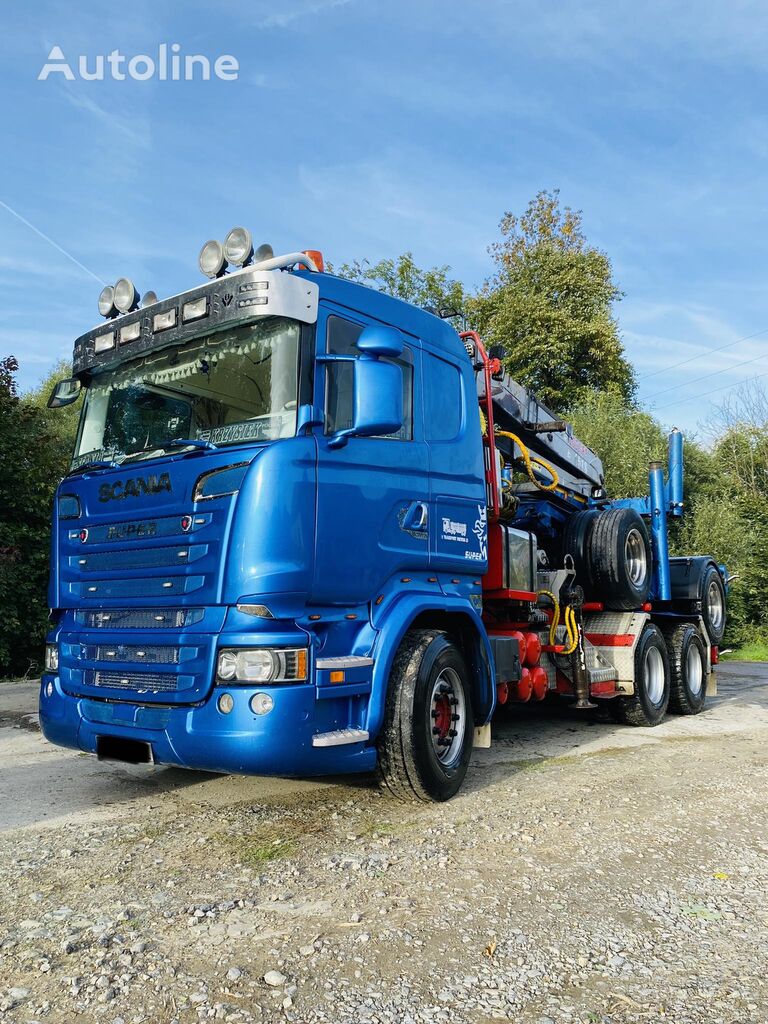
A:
[301,664]
[337,677]
[317,258]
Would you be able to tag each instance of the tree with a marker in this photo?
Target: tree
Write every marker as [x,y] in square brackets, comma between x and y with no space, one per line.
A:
[432,289]
[549,307]
[61,423]
[32,460]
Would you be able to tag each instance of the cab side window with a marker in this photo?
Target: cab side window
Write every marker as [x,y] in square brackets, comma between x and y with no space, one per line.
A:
[341,340]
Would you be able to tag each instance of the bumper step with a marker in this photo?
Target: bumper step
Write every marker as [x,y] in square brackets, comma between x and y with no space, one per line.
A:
[339,737]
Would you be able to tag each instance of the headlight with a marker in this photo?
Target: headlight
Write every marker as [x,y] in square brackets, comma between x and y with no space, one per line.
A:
[212,260]
[107,300]
[262,665]
[238,246]
[104,342]
[51,657]
[125,295]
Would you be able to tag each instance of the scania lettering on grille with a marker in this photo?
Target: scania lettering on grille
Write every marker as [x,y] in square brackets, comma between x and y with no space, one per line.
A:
[134,487]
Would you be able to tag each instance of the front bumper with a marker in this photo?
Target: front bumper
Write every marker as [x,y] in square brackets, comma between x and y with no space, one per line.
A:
[202,737]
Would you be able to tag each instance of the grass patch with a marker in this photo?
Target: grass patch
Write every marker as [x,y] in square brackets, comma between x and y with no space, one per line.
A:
[259,848]
[756,651]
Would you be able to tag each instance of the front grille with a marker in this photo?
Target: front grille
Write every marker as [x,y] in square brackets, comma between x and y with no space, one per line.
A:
[155,655]
[129,618]
[137,681]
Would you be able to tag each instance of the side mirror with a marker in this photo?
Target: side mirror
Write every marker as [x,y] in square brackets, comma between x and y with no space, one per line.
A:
[378,385]
[379,340]
[378,403]
[66,392]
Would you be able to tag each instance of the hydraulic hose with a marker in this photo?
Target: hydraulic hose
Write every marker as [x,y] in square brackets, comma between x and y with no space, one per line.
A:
[531,461]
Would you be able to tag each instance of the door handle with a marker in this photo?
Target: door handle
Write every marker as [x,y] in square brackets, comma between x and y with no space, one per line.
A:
[417,516]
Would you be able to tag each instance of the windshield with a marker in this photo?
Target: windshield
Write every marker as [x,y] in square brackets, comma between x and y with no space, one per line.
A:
[230,387]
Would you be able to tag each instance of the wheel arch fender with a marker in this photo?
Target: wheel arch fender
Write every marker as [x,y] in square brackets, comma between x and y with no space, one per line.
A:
[458,618]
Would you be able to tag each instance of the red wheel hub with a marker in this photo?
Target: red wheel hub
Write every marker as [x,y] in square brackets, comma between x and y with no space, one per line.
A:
[442,717]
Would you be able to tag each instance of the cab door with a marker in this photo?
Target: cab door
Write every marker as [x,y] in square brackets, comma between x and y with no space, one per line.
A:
[458,514]
[373,493]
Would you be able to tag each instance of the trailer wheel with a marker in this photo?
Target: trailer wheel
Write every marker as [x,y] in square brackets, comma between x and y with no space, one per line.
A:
[648,704]
[576,541]
[428,731]
[620,559]
[688,669]
[713,603]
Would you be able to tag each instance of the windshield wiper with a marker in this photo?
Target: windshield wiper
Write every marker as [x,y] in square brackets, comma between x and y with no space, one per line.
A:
[182,442]
[96,464]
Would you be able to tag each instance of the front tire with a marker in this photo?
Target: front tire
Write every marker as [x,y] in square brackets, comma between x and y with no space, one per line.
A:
[648,704]
[428,731]
[688,669]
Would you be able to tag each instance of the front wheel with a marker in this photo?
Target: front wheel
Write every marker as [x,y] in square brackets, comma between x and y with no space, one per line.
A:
[426,739]
[648,704]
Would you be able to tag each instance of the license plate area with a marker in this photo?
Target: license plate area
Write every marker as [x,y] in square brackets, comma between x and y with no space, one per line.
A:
[117,748]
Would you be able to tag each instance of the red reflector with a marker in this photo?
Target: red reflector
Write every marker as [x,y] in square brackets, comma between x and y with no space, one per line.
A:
[186,523]
[714,655]
[611,639]
[83,535]
[647,607]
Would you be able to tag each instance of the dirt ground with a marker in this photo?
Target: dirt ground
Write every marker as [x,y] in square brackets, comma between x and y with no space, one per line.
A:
[587,873]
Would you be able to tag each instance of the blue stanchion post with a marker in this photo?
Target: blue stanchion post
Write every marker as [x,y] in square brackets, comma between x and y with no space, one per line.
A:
[676,473]
[658,509]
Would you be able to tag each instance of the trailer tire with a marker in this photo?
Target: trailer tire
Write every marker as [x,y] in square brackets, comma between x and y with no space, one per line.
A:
[576,543]
[620,559]
[648,704]
[713,603]
[428,686]
[688,669]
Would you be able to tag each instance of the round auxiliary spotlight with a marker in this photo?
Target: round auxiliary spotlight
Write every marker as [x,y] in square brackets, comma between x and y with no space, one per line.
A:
[238,246]
[264,252]
[148,299]
[107,301]
[212,260]
[126,296]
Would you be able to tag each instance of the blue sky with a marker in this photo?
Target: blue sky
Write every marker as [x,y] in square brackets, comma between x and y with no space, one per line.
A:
[367,129]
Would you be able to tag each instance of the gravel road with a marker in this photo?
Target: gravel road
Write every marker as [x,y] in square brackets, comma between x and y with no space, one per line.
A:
[587,873]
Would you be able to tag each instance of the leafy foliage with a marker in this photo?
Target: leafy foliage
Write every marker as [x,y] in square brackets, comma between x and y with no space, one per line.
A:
[33,460]
[432,289]
[549,307]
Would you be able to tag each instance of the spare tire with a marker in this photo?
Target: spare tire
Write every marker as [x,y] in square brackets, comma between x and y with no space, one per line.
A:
[620,559]
[575,543]
[712,593]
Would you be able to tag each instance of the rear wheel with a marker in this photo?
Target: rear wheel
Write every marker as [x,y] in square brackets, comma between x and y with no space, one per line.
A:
[575,543]
[648,704]
[620,558]
[426,740]
[688,669]
[713,604]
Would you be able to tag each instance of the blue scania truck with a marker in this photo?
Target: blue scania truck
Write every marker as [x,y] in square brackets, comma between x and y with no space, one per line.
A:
[311,529]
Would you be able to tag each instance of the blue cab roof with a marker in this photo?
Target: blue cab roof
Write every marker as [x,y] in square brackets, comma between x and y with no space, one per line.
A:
[411,319]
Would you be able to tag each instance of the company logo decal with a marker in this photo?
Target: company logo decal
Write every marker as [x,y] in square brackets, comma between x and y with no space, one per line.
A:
[134,487]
